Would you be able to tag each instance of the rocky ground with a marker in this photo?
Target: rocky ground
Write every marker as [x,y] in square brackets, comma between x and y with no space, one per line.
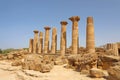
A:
[8,72]
[21,65]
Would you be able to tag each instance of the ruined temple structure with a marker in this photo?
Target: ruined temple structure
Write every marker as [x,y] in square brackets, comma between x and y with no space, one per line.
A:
[90,41]
[75,34]
[40,44]
[36,44]
[54,41]
[63,38]
[35,41]
[113,47]
[46,42]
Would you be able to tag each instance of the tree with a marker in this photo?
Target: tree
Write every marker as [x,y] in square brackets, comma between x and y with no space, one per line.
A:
[0,50]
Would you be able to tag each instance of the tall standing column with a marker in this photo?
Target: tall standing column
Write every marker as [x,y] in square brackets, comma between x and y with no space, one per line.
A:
[90,41]
[40,48]
[35,42]
[54,41]
[63,38]
[46,42]
[75,34]
[31,46]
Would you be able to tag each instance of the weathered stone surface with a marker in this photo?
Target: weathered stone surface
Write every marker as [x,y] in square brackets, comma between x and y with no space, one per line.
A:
[35,41]
[113,47]
[90,41]
[98,73]
[60,61]
[31,46]
[54,41]
[46,68]
[14,55]
[63,41]
[46,42]
[37,63]
[110,58]
[75,33]
[81,62]
[114,73]
[40,45]
[106,61]
[10,56]
[17,63]
[32,62]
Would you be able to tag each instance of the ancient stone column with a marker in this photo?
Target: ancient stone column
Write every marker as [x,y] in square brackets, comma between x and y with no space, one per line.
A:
[75,34]
[35,42]
[31,46]
[90,41]
[46,42]
[54,41]
[63,38]
[113,47]
[40,48]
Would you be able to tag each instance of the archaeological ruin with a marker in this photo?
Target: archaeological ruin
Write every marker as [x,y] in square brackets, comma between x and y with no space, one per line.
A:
[42,54]
[90,60]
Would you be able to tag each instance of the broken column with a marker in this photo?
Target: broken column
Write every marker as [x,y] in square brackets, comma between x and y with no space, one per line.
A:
[75,34]
[63,38]
[31,46]
[35,41]
[113,47]
[40,48]
[54,41]
[46,42]
[90,41]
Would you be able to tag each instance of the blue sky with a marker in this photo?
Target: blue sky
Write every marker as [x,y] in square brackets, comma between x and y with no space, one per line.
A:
[18,19]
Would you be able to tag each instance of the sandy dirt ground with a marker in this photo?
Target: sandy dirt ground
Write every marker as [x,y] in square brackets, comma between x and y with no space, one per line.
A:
[8,72]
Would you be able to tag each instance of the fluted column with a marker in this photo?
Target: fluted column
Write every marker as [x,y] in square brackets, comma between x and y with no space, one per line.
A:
[31,46]
[46,42]
[54,41]
[35,42]
[90,41]
[75,34]
[40,48]
[115,48]
[63,38]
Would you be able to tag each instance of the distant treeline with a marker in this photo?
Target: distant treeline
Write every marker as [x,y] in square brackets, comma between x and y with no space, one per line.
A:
[5,51]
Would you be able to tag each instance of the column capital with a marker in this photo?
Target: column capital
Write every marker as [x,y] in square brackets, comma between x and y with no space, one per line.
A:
[74,18]
[35,31]
[47,28]
[63,23]
[89,19]
[41,34]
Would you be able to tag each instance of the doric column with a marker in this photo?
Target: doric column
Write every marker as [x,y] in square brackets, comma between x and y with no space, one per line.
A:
[90,41]
[54,41]
[63,38]
[115,48]
[35,42]
[46,42]
[40,48]
[31,46]
[75,34]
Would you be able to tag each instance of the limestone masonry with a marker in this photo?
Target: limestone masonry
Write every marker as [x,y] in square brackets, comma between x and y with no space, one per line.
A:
[41,42]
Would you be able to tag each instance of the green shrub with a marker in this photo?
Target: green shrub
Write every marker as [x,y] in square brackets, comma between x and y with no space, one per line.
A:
[0,51]
[7,50]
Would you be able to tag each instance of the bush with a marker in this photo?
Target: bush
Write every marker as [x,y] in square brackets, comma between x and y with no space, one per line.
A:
[7,50]
[0,51]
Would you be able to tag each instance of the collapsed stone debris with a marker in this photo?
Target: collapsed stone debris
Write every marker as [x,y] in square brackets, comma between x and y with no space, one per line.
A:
[95,61]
